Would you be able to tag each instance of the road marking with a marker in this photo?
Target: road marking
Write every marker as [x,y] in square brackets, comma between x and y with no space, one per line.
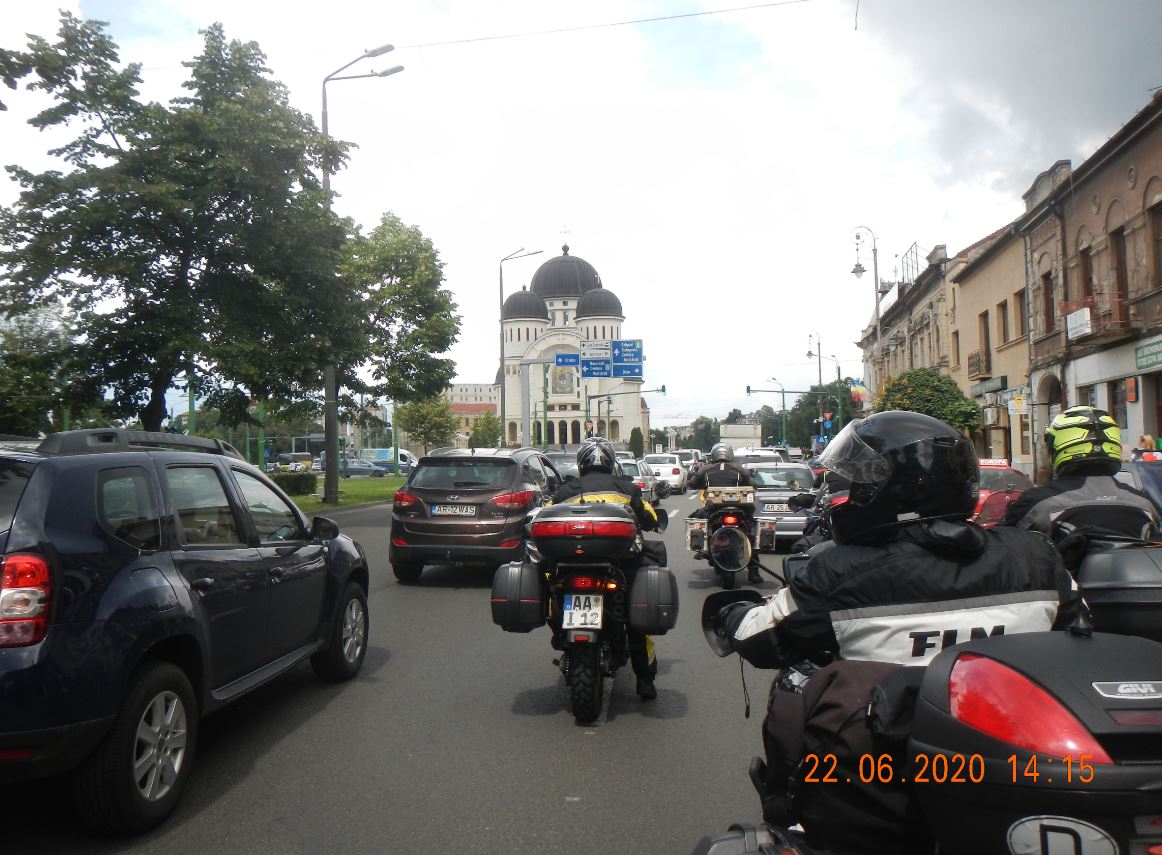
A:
[672,512]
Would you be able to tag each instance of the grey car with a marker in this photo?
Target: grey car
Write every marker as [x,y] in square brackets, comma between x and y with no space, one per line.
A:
[643,475]
[775,483]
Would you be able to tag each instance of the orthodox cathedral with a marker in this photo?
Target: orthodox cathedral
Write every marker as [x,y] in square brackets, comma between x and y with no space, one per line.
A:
[564,305]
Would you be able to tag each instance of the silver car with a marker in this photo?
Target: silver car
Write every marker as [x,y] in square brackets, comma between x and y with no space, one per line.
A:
[644,477]
[775,483]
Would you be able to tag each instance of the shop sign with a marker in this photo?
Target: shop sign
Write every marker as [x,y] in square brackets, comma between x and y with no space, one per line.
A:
[1148,355]
[994,384]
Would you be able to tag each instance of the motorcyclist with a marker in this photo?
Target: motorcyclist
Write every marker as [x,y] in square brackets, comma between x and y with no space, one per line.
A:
[601,481]
[1085,447]
[906,574]
[722,471]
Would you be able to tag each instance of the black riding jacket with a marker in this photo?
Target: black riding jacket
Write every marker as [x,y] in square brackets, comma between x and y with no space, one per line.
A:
[721,473]
[1037,508]
[604,487]
[931,585]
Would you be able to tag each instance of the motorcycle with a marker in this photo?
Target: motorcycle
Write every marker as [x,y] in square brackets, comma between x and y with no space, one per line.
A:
[1044,742]
[727,536]
[584,576]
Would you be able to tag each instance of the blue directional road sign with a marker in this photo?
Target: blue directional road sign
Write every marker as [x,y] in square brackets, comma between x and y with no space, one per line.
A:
[568,359]
[627,370]
[827,424]
[627,351]
[595,368]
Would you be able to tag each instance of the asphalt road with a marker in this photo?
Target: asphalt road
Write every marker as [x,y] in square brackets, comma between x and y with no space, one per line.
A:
[456,737]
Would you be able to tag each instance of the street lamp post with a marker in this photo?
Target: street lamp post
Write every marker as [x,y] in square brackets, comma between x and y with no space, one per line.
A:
[520,253]
[330,374]
[858,272]
[818,354]
[782,412]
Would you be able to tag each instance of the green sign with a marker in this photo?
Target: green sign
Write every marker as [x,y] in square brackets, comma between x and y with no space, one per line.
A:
[993,384]
[1149,355]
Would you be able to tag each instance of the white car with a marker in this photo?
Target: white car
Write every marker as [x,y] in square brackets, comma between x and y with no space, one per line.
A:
[669,468]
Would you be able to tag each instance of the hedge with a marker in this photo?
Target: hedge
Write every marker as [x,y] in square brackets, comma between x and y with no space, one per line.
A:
[297,483]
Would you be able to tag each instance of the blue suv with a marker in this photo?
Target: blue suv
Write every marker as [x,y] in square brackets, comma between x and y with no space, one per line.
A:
[146,580]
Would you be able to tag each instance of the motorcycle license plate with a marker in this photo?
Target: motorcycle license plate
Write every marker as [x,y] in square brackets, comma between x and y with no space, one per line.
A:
[453,510]
[582,611]
[775,507]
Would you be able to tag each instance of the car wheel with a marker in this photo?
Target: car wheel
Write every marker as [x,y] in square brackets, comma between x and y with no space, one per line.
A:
[137,774]
[343,657]
[407,572]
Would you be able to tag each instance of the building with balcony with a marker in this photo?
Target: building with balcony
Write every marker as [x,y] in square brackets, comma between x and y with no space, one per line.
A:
[1093,240]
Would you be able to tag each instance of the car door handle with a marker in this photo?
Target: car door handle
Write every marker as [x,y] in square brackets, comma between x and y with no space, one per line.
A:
[202,584]
[277,573]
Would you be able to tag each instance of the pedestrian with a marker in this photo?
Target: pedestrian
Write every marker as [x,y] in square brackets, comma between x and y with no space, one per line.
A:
[1145,443]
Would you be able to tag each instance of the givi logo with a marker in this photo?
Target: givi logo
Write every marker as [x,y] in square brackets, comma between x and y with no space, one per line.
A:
[1133,691]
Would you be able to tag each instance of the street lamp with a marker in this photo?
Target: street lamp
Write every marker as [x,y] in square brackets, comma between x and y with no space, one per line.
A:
[330,375]
[782,412]
[879,289]
[520,253]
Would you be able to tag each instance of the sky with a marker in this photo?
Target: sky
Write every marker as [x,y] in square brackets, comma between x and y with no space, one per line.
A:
[713,168]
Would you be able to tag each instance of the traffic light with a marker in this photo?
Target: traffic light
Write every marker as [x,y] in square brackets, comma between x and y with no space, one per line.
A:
[748,390]
[663,389]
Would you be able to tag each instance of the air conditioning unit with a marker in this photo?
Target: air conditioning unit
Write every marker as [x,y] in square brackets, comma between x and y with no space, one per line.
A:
[991,416]
[990,399]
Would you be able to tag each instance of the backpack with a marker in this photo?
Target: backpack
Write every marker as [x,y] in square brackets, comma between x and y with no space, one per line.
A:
[825,729]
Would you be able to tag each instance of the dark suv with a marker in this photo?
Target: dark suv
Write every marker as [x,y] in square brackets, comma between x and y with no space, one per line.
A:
[146,580]
[467,506]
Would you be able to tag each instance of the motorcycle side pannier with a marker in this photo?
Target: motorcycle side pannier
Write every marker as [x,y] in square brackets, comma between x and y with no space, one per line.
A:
[1123,587]
[653,601]
[518,597]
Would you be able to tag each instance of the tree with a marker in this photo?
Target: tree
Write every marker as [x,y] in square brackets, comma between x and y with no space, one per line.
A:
[428,422]
[733,417]
[771,424]
[486,432]
[636,443]
[658,437]
[193,235]
[926,390]
[704,432]
[803,417]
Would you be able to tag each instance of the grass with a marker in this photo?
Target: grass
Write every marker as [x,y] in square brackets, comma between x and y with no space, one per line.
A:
[352,492]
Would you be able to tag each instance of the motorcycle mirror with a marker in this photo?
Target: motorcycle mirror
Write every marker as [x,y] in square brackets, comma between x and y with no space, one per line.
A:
[714,603]
[729,549]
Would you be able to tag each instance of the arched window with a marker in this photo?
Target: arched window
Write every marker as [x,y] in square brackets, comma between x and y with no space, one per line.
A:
[601,427]
[551,433]
[511,431]
[576,432]
[563,432]
[614,431]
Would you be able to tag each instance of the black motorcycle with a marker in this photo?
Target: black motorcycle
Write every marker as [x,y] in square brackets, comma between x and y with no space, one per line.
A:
[588,576]
[727,536]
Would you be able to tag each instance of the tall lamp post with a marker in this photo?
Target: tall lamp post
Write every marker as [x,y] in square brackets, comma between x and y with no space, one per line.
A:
[330,375]
[520,253]
[879,289]
[782,412]
[819,359]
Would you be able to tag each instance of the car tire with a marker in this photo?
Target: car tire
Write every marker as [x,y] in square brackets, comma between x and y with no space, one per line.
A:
[407,573]
[343,656]
[109,795]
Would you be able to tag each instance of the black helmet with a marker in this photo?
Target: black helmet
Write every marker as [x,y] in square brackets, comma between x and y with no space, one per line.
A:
[904,467]
[721,451]
[596,454]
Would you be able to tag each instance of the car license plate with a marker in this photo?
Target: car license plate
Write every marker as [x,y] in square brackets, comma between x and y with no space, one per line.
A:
[582,611]
[453,510]
[775,507]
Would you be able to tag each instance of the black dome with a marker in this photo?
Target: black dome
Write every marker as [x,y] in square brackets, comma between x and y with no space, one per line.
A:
[565,276]
[599,303]
[524,305]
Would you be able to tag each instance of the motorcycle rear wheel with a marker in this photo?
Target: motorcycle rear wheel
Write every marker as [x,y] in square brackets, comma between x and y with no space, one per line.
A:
[586,684]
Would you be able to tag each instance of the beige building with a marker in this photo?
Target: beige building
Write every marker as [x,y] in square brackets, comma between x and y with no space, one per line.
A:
[989,350]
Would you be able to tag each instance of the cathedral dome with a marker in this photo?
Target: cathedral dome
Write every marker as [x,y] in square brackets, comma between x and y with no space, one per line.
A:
[565,276]
[524,305]
[599,303]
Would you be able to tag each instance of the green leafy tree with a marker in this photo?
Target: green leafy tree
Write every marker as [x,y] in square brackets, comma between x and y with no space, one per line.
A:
[802,418]
[733,417]
[636,442]
[486,431]
[428,422]
[658,437]
[926,390]
[189,235]
[769,420]
[704,433]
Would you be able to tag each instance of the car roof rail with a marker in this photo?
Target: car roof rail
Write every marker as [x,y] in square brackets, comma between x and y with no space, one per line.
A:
[99,440]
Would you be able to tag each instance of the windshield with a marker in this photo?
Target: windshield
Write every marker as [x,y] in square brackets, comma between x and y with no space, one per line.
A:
[661,459]
[685,455]
[459,472]
[1004,479]
[788,478]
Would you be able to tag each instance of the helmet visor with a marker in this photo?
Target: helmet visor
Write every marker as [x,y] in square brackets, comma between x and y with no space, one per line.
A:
[854,459]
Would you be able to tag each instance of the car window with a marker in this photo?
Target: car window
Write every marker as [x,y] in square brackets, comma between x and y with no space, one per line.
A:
[1000,479]
[534,472]
[660,459]
[203,512]
[788,478]
[552,477]
[14,475]
[446,473]
[273,517]
[127,508]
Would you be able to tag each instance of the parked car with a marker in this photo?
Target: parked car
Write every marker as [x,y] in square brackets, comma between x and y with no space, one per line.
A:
[668,467]
[643,475]
[775,483]
[389,466]
[467,507]
[996,475]
[146,580]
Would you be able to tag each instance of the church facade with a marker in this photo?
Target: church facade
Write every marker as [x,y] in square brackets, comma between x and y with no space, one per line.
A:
[564,305]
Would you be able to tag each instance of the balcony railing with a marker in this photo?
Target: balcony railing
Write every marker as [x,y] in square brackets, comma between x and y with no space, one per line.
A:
[979,365]
[1092,319]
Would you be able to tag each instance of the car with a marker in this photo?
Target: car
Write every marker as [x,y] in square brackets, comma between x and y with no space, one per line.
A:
[996,475]
[625,455]
[354,466]
[466,506]
[689,459]
[644,477]
[389,466]
[1145,475]
[146,580]
[668,467]
[564,462]
[775,483]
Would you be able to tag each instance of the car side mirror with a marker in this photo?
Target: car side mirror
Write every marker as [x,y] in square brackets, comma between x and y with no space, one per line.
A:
[324,529]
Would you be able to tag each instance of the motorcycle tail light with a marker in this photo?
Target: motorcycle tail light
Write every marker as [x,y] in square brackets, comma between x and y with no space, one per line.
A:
[514,501]
[1137,718]
[981,694]
[548,528]
[614,528]
[641,485]
[838,500]
[581,583]
[509,544]
[25,592]
[730,519]
[404,499]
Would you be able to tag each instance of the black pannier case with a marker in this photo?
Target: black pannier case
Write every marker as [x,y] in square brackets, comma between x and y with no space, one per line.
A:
[599,531]
[1123,587]
[653,600]
[518,597]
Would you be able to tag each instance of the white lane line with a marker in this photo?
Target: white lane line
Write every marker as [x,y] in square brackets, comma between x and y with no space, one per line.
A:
[672,512]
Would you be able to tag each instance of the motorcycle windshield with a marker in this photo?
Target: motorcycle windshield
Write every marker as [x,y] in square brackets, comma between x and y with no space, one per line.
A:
[729,549]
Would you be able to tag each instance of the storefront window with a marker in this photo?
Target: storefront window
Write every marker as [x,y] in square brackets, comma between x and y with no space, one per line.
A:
[1086,396]
[1026,442]
[1117,398]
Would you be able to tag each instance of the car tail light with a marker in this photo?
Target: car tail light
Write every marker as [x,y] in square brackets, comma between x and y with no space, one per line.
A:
[398,541]
[838,500]
[641,485]
[514,501]
[730,519]
[983,694]
[404,499]
[676,471]
[25,592]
